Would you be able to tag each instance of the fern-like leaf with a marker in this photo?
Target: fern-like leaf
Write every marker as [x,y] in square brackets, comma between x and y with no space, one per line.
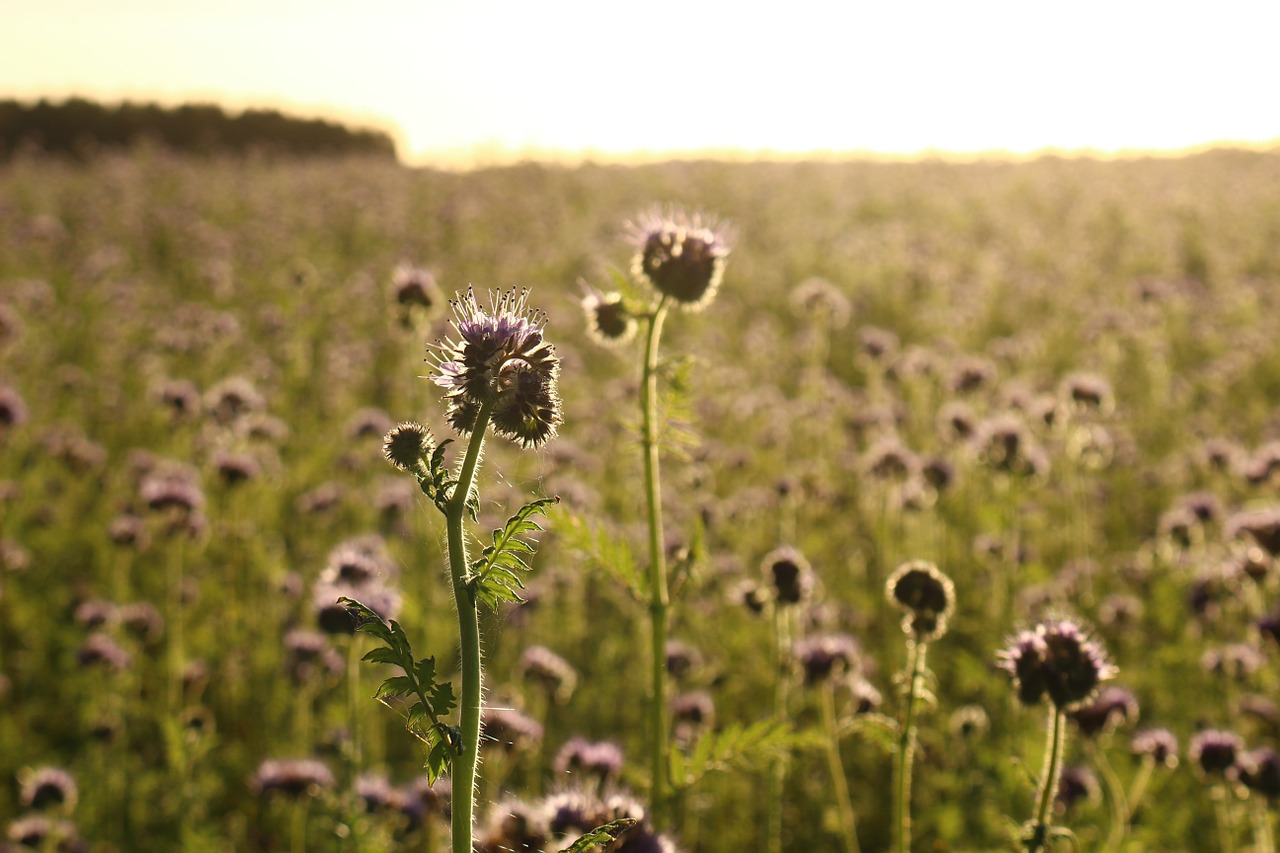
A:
[497,575]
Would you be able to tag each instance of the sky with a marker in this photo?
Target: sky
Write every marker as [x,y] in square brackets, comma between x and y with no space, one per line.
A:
[493,80]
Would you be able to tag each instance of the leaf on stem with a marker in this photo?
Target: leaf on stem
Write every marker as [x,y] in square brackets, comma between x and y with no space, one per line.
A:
[496,576]
[417,679]
[602,835]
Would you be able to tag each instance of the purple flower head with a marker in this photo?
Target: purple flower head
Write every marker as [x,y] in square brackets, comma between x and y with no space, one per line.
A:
[501,360]
[1160,745]
[292,777]
[554,673]
[608,320]
[377,794]
[1057,659]
[1114,706]
[509,729]
[1077,783]
[1259,771]
[681,256]
[789,574]
[49,787]
[1214,752]
[926,596]
[826,656]
[601,759]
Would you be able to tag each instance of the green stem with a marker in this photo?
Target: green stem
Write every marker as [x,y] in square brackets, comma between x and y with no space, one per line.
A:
[781,691]
[1263,837]
[658,596]
[1140,783]
[1120,811]
[1049,777]
[906,748]
[844,804]
[464,764]
[1222,812]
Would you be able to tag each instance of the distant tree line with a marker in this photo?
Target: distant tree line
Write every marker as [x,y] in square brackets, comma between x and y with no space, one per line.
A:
[79,128]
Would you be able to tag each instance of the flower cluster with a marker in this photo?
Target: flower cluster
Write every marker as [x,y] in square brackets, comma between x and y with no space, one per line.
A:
[500,361]
[681,256]
[927,597]
[1059,659]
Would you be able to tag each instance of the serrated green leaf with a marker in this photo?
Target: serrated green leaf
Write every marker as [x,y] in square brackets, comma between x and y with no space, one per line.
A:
[602,835]
[496,573]
[382,654]
[366,620]
[397,685]
[442,699]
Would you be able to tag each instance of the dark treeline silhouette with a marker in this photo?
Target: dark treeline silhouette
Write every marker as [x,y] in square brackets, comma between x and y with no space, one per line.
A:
[79,128]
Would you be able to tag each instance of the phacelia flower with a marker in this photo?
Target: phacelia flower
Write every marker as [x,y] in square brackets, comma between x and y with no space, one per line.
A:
[1056,658]
[826,656]
[1214,752]
[49,787]
[293,777]
[414,287]
[509,729]
[500,360]
[1112,707]
[608,320]
[601,759]
[788,573]
[1260,771]
[543,666]
[927,597]
[1160,745]
[681,256]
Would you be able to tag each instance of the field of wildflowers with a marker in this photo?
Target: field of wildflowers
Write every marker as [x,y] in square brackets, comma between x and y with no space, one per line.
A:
[848,507]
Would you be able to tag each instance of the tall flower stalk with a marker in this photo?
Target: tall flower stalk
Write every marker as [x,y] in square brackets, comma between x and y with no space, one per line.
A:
[682,259]
[659,597]
[1056,659]
[927,598]
[499,374]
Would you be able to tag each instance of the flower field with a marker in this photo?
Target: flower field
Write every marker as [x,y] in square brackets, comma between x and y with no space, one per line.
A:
[926,506]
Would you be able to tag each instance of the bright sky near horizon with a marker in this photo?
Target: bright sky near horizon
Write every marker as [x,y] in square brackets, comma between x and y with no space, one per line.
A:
[502,79]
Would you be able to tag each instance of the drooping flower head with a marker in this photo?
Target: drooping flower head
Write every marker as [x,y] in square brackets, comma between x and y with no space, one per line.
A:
[925,595]
[500,359]
[608,320]
[680,255]
[1214,751]
[1059,659]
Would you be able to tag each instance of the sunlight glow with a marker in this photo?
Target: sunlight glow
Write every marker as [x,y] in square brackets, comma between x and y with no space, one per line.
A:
[500,80]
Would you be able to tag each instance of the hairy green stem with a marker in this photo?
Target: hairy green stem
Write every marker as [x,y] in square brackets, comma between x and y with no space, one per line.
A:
[658,596]
[781,691]
[906,748]
[844,804]
[1049,776]
[464,764]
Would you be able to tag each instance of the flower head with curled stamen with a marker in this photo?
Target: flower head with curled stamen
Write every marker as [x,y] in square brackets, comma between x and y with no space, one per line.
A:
[681,255]
[500,360]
